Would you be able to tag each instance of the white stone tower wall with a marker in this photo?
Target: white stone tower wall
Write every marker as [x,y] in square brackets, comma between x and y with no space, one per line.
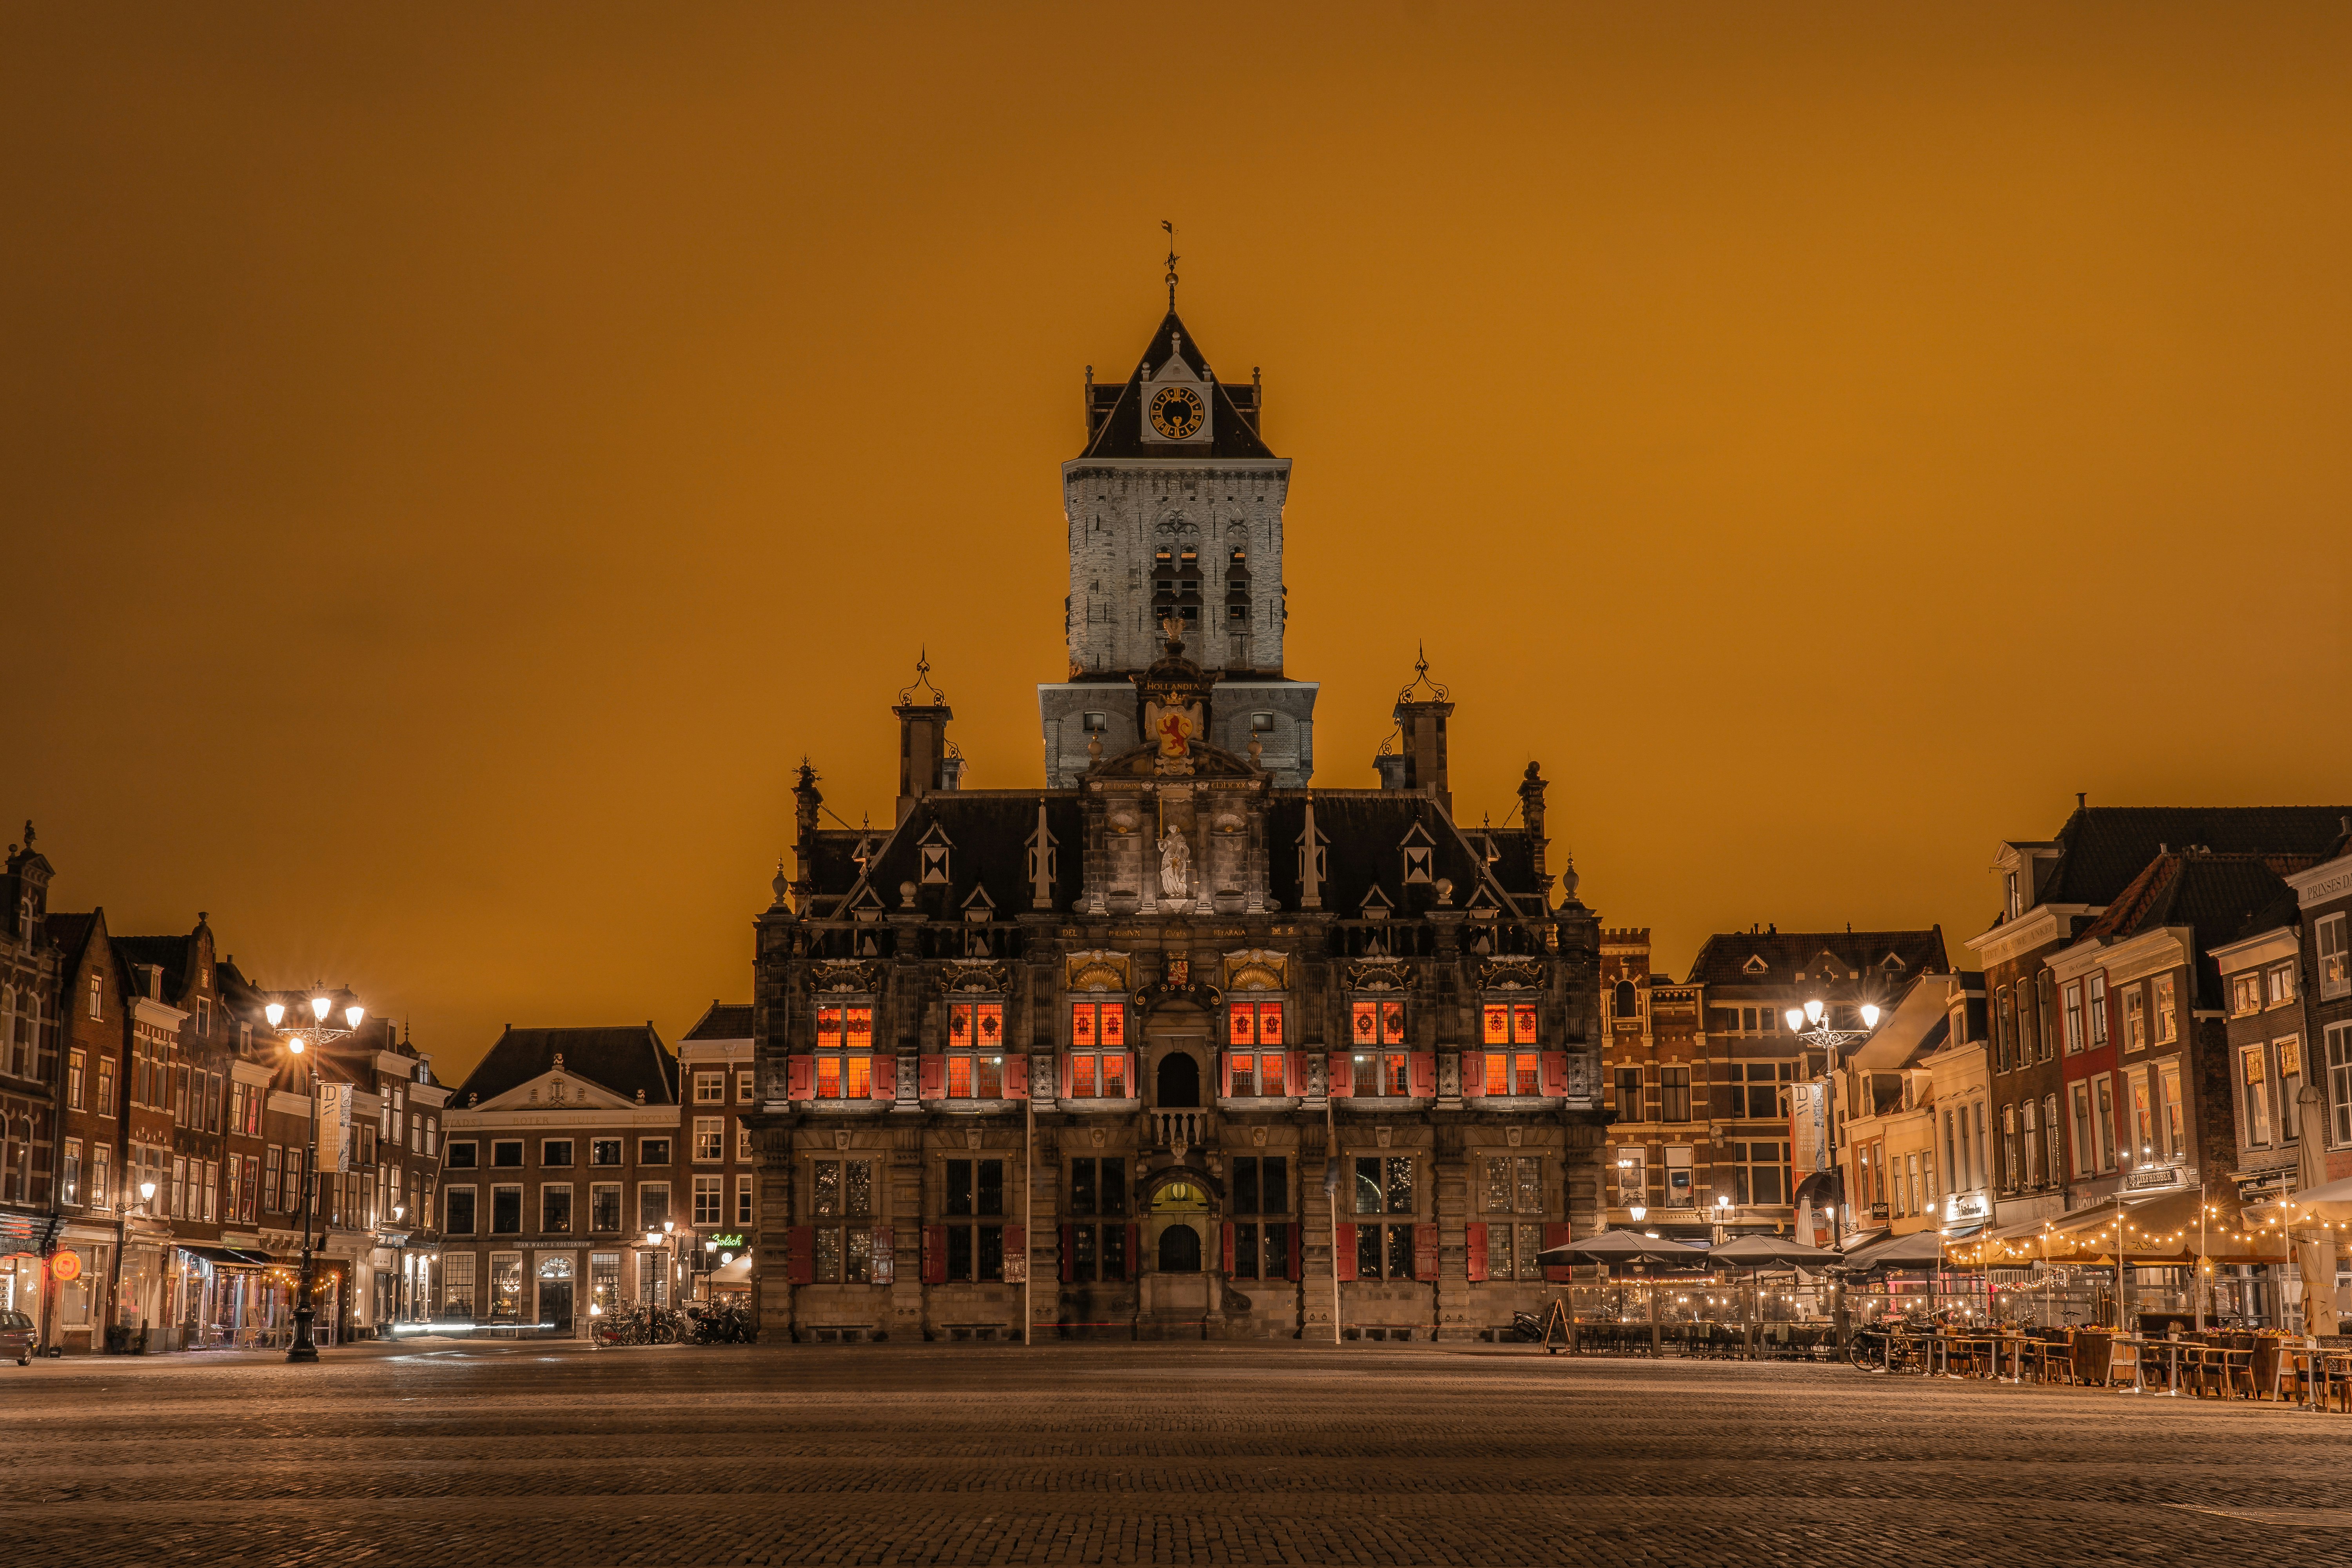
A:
[1121,511]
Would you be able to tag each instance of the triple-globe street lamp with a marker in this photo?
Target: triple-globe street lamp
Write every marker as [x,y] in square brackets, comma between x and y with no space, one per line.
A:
[301,1038]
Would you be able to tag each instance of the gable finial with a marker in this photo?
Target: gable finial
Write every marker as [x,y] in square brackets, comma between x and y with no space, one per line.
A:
[1172,259]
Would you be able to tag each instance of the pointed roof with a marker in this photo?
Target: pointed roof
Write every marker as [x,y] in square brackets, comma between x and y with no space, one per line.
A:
[625,1059]
[1115,414]
[2104,849]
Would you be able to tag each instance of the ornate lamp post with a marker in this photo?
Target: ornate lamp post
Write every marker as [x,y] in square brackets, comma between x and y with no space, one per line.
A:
[300,1038]
[1829,1041]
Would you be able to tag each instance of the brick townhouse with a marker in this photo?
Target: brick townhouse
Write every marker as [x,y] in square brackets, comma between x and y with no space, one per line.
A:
[718,1082]
[29,1035]
[2105,1007]
[560,1158]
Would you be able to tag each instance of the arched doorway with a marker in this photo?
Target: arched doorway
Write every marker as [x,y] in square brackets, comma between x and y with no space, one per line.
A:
[1177,1081]
[1180,1249]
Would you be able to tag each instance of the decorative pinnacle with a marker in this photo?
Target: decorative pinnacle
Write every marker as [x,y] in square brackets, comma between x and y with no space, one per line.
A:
[922,682]
[1172,259]
[1437,691]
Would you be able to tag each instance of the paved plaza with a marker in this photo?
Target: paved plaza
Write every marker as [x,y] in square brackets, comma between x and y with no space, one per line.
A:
[514,1454]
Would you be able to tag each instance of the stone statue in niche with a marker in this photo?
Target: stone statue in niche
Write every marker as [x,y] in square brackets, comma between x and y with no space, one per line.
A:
[1175,865]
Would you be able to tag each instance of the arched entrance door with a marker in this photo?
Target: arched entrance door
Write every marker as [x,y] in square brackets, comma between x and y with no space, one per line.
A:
[1177,1081]
[1180,1249]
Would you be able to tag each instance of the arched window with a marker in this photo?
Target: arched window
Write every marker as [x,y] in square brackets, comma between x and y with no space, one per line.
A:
[1624,1005]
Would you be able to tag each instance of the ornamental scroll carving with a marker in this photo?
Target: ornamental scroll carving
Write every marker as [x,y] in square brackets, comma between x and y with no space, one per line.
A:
[1097,970]
[974,974]
[1257,969]
[1380,975]
[851,975]
[1512,973]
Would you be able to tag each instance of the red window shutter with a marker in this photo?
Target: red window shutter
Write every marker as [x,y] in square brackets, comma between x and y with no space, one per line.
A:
[799,1077]
[1555,1073]
[1294,1066]
[1290,1266]
[1225,1073]
[1557,1235]
[935,1254]
[886,1077]
[1423,1067]
[932,1080]
[886,1256]
[1477,1256]
[1340,1070]
[1134,1263]
[1424,1252]
[1474,1075]
[800,1255]
[1016,1255]
[1016,1078]
[1065,1077]
[1225,1248]
[1343,1256]
[1069,1253]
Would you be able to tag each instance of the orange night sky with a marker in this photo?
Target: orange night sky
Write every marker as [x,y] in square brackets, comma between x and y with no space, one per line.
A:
[457,459]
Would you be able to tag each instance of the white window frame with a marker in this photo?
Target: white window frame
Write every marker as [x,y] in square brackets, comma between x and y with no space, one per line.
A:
[715,1081]
[2335,1058]
[709,1141]
[2332,942]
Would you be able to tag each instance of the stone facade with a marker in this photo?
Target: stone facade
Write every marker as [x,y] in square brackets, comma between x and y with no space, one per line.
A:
[1174,1046]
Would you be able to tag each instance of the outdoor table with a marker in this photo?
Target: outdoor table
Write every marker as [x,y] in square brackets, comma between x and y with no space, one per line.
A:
[1969,1346]
[2172,1349]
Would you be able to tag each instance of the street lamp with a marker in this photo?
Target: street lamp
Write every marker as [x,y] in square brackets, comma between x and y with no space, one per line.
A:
[1829,1040]
[300,1038]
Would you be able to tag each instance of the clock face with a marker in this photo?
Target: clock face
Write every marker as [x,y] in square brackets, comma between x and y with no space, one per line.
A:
[1178,413]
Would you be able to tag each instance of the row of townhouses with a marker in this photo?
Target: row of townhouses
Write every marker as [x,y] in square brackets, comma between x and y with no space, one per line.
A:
[153,1130]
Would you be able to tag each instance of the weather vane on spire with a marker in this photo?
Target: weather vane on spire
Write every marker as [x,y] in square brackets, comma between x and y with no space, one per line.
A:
[1172,259]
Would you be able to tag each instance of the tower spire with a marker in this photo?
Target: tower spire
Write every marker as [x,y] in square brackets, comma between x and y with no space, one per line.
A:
[1172,259]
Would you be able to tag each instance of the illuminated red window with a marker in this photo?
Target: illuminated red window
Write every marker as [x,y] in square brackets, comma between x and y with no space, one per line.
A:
[1379,1023]
[1097,1050]
[1258,1073]
[1513,1072]
[845,1029]
[976,1026]
[1254,1024]
[1508,1024]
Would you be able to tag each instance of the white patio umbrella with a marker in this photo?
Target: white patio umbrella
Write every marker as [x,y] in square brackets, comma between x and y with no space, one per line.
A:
[2315,1250]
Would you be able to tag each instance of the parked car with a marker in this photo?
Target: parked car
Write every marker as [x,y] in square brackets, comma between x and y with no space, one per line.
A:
[18,1337]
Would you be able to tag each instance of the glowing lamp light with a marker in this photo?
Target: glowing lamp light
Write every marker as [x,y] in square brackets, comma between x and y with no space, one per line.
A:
[353,1014]
[146,1192]
[274,1012]
[709,1246]
[1813,1011]
[726,1257]
[1870,1015]
[1796,1017]
[319,1007]
[297,1044]
[653,1239]
[668,1226]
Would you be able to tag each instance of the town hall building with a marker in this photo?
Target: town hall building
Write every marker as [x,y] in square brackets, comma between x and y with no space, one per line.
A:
[1171,1044]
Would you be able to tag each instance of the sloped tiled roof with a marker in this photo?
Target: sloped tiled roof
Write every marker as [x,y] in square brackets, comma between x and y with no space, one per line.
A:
[69,934]
[724,1021]
[988,834]
[1723,959]
[1364,832]
[2104,849]
[168,953]
[2218,897]
[624,1059]
[1232,433]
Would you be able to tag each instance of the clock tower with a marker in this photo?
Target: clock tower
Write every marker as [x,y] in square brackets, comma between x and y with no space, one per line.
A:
[1174,511]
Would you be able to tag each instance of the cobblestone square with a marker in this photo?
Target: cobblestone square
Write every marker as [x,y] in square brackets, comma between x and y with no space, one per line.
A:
[446,1452]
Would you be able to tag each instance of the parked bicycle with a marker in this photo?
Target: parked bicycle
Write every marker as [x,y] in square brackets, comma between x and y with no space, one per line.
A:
[639,1325]
[722,1323]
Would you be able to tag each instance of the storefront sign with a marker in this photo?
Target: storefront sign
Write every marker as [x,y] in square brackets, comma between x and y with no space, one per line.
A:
[1809,1125]
[65,1265]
